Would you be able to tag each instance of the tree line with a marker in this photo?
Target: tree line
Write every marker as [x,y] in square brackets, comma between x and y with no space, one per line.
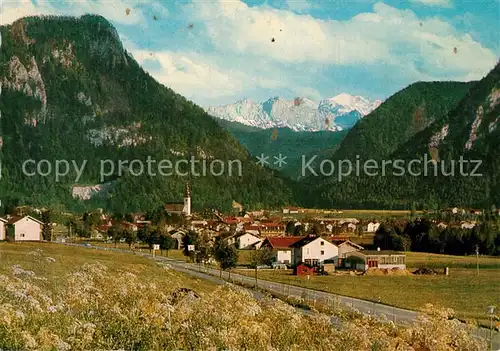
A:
[423,235]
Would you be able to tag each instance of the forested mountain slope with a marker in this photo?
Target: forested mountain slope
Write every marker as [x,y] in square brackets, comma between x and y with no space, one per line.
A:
[71,92]
[468,132]
[399,118]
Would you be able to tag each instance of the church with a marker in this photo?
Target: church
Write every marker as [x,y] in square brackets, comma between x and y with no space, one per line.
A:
[181,208]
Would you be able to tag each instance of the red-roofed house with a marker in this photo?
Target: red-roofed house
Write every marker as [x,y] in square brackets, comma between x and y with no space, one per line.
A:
[231,220]
[290,210]
[282,247]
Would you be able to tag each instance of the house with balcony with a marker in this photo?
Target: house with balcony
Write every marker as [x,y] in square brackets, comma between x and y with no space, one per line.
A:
[282,248]
[314,251]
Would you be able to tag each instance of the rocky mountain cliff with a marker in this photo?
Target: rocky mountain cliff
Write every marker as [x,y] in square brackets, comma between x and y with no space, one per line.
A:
[70,92]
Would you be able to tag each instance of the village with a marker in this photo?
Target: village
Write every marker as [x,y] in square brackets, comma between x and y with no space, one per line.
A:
[307,241]
[377,256]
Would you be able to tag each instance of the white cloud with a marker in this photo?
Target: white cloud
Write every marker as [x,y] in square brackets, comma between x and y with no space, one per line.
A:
[385,36]
[230,54]
[299,6]
[190,75]
[205,78]
[437,3]
[113,10]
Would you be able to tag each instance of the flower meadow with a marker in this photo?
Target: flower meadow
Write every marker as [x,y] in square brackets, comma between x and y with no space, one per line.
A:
[76,299]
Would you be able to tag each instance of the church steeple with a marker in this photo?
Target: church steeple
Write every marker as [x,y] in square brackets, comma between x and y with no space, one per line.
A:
[187,201]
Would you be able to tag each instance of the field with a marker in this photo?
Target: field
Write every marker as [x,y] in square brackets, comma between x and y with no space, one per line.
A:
[463,290]
[56,297]
[468,293]
[359,214]
[422,259]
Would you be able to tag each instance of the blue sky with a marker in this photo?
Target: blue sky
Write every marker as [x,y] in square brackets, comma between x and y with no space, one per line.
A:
[220,51]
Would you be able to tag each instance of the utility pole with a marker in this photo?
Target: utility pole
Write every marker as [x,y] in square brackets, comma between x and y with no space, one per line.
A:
[477,258]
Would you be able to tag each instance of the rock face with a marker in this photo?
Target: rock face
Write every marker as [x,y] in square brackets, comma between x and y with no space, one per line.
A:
[25,79]
[87,192]
[475,126]
[437,138]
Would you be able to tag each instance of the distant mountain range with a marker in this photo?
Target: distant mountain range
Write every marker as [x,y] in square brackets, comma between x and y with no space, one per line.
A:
[300,114]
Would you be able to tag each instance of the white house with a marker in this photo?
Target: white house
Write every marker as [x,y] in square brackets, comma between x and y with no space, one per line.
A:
[372,227]
[246,241]
[282,248]
[313,250]
[24,228]
[442,225]
[3,223]
[351,227]
[348,220]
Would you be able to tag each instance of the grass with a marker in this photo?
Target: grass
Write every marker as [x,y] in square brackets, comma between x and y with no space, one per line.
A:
[422,259]
[67,258]
[360,214]
[62,297]
[464,291]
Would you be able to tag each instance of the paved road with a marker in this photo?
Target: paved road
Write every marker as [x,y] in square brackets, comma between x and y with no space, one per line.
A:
[395,314]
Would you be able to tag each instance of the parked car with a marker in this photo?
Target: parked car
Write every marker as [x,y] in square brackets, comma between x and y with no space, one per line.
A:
[263,267]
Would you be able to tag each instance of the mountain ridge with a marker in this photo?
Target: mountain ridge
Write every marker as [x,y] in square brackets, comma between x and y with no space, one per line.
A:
[299,114]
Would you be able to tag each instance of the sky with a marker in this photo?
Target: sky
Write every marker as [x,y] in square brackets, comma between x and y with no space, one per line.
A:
[216,52]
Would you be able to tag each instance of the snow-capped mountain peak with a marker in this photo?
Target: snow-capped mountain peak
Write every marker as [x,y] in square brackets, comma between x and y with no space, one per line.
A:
[354,103]
[300,114]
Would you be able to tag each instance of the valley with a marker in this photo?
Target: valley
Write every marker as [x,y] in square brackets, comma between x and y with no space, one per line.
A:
[171,182]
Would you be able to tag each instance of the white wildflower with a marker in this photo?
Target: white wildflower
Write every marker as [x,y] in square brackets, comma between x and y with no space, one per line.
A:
[17,270]
[29,341]
[36,253]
